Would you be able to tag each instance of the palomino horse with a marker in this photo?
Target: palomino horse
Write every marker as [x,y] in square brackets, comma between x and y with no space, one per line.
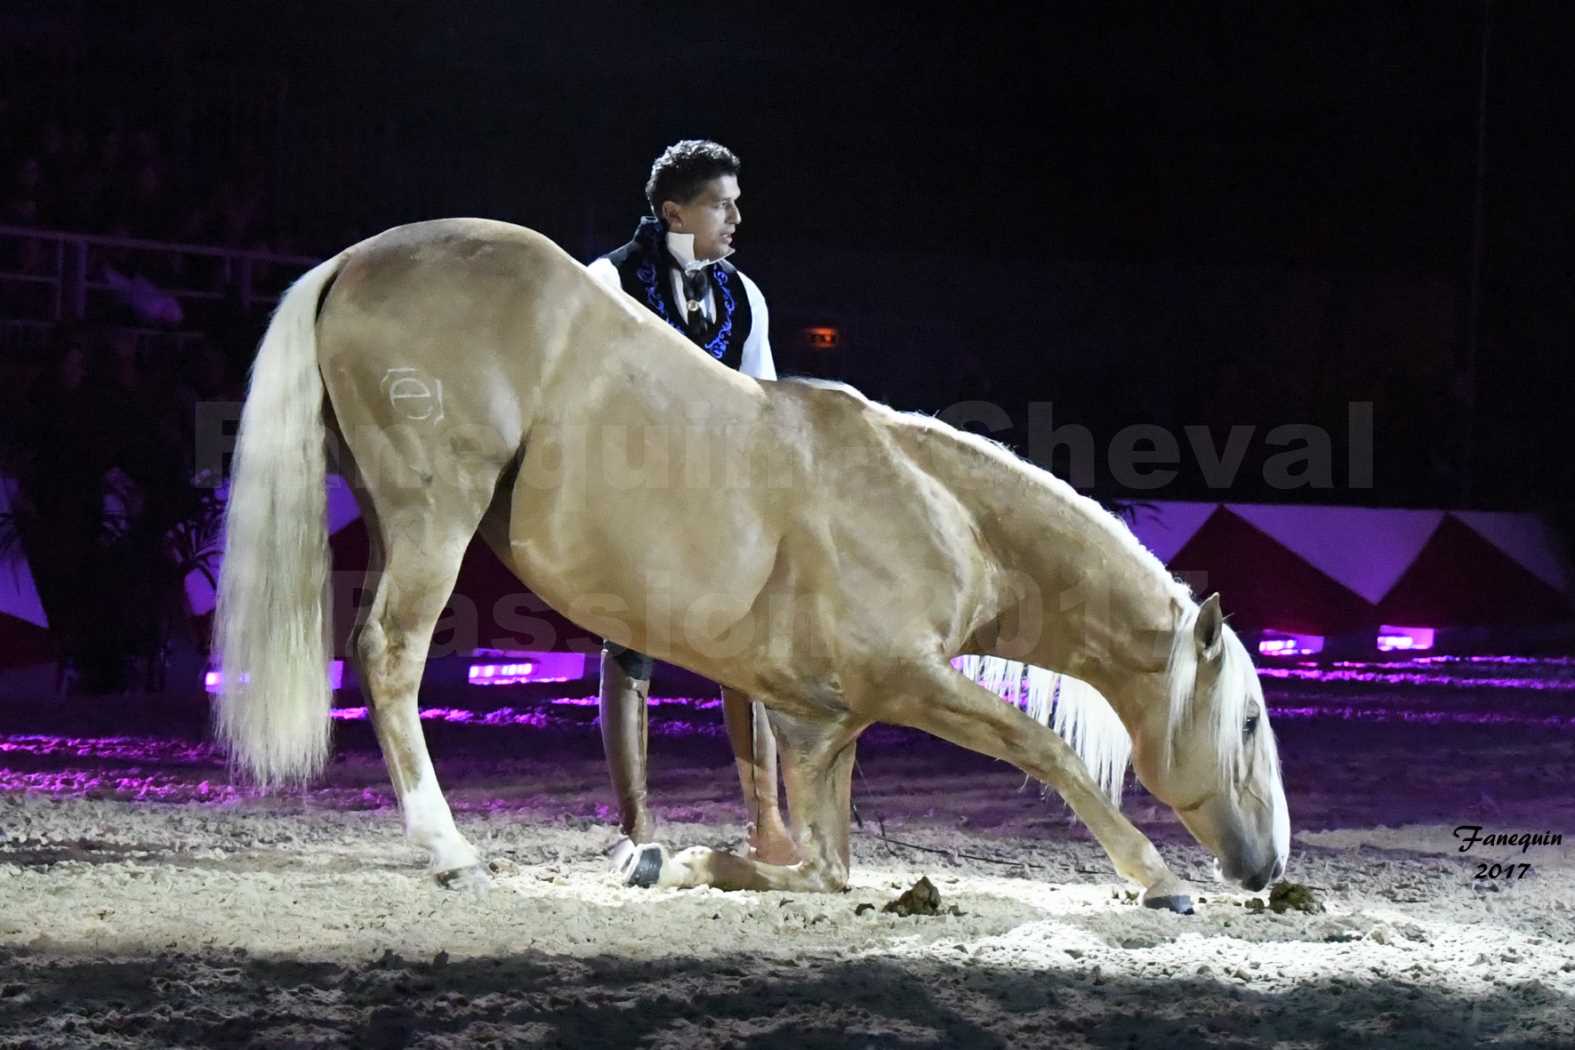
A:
[825,554]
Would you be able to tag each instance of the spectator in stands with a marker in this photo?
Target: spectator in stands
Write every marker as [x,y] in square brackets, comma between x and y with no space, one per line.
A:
[145,148]
[202,377]
[110,153]
[133,385]
[52,151]
[87,190]
[24,206]
[55,451]
[240,209]
[120,180]
[52,454]
[147,206]
[53,397]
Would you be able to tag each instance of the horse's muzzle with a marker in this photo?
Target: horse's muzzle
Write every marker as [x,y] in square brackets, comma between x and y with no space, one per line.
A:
[1255,881]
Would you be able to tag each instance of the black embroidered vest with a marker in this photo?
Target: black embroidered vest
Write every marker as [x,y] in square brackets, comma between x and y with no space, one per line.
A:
[645,270]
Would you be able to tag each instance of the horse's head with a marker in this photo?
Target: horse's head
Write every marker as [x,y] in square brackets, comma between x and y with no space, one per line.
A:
[1210,754]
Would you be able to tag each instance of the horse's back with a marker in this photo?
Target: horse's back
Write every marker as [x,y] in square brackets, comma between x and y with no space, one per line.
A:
[452,266]
[431,237]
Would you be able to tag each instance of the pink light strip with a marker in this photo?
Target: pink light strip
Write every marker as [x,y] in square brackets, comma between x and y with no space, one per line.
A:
[213,681]
[1282,643]
[1391,638]
[529,667]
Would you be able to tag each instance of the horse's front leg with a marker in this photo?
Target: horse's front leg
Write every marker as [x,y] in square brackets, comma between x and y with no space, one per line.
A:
[818,770]
[755,754]
[946,704]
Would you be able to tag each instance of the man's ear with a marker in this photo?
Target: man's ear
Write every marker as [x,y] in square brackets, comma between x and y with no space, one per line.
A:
[671,216]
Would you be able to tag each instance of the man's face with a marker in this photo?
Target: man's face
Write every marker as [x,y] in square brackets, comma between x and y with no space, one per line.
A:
[712,217]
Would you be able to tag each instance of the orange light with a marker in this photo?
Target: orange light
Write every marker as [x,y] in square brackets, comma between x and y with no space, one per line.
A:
[822,338]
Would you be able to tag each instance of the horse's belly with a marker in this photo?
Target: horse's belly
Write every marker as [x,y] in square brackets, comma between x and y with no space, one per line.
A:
[663,564]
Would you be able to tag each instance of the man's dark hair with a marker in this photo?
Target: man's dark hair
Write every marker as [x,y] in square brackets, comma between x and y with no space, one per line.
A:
[683,168]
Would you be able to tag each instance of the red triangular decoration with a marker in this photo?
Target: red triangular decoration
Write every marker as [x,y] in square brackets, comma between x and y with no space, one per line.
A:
[23,644]
[1262,584]
[1459,579]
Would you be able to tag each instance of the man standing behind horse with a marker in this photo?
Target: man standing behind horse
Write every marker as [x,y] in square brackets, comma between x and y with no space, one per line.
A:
[677,267]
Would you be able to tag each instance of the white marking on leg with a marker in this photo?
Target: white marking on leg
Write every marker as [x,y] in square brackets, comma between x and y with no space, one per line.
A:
[684,869]
[429,823]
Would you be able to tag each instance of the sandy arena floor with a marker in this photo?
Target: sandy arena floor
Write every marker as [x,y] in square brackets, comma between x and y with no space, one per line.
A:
[146,903]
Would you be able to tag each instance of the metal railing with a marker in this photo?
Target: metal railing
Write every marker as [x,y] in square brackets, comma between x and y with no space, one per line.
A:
[63,263]
[21,338]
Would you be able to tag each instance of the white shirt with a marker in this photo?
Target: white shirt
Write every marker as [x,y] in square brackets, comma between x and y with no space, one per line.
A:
[755,358]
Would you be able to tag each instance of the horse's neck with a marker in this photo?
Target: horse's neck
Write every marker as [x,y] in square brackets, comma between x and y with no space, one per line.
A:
[1087,601]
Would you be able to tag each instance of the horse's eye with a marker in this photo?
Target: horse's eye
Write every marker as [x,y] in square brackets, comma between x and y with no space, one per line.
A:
[1250,726]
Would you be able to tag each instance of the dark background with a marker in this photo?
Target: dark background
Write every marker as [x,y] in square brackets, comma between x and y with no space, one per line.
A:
[1177,213]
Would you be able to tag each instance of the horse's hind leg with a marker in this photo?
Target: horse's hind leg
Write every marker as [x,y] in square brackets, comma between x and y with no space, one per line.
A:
[389,645]
[418,527]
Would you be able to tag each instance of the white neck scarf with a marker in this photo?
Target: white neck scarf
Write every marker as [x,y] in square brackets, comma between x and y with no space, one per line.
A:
[682,248]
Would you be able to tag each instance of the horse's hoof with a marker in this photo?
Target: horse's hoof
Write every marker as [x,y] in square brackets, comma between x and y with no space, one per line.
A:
[1179,903]
[470,879]
[638,865]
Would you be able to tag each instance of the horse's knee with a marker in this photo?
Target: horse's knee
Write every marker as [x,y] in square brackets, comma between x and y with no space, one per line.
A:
[389,678]
[366,645]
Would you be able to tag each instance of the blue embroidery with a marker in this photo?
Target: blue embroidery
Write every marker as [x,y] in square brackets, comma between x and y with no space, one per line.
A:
[647,276]
[645,273]
[718,345]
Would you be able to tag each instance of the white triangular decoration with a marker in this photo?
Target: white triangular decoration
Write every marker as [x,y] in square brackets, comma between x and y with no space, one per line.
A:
[18,595]
[1365,549]
[1165,528]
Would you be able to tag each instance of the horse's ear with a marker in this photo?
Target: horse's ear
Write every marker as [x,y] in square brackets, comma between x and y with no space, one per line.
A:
[1209,630]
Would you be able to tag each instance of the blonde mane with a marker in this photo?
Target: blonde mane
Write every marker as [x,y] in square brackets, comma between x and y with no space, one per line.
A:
[1075,710]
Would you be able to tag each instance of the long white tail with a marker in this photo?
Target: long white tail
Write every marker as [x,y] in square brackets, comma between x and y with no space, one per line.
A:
[271,624]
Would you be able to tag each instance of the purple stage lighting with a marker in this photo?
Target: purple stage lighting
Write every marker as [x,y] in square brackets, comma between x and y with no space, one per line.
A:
[524,667]
[1407,639]
[214,680]
[1283,643]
